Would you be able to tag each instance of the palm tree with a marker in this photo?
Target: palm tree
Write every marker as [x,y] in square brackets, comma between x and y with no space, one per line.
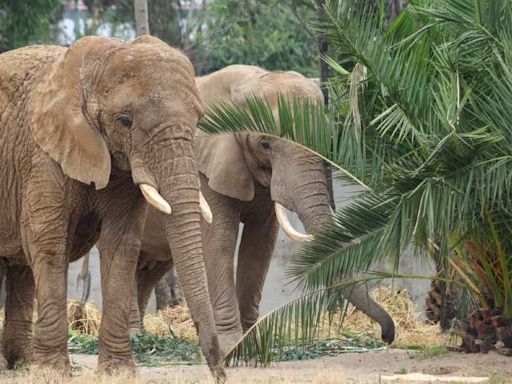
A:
[422,123]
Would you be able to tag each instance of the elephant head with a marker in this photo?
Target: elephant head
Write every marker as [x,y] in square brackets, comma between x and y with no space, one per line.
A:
[108,107]
[295,176]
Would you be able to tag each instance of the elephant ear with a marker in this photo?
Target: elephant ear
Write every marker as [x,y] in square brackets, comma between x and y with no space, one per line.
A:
[222,161]
[63,114]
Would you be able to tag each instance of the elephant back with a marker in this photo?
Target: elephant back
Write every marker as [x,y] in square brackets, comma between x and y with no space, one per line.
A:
[19,67]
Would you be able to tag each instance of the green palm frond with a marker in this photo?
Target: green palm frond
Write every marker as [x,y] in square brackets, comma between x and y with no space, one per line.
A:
[295,324]
[302,122]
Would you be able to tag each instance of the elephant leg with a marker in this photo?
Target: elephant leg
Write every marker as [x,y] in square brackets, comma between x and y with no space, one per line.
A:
[46,234]
[119,244]
[219,243]
[19,307]
[168,291]
[136,324]
[3,267]
[147,278]
[256,248]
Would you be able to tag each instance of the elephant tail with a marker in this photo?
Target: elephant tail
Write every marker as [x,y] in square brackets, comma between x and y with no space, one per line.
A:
[84,277]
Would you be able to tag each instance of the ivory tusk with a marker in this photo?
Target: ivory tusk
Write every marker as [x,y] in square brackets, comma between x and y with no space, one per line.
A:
[205,209]
[154,198]
[284,222]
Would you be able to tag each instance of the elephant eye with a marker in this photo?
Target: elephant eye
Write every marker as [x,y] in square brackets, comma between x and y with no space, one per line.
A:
[265,145]
[124,121]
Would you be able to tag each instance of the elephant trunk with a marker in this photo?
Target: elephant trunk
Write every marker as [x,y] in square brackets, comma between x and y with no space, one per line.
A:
[312,203]
[359,298]
[177,176]
[311,200]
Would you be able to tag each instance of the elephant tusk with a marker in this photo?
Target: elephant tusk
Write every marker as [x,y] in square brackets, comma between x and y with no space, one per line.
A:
[205,209]
[284,222]
[154,198]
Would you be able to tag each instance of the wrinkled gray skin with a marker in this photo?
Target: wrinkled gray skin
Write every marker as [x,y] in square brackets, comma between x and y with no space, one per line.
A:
[80,129]
[242,176]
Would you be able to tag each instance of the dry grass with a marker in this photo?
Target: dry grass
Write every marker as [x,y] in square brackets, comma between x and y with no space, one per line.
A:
[83,318]
[410,328]
[175,321]
[52,377]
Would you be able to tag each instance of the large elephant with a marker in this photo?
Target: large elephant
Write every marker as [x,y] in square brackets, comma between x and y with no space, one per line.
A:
[83,131]
[250,179]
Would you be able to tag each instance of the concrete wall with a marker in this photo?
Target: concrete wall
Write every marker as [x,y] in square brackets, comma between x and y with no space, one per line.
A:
[277,291]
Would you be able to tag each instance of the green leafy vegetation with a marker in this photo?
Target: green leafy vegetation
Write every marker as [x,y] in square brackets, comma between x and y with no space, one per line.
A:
[330,347]
[27,22]
[268,33]
[148,349]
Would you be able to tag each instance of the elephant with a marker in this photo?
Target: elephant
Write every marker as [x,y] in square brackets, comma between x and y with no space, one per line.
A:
[249,179]
[89,136]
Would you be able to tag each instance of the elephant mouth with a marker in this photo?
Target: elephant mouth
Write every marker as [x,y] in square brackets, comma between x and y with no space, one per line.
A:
[284,222]
[145,179]
[156,200]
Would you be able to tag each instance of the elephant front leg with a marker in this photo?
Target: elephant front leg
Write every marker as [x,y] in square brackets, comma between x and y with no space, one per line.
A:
[3,361]
[136,319]
[256,248]
[46,237]
[119,246]
[219,243]
[19,307]
[147,278]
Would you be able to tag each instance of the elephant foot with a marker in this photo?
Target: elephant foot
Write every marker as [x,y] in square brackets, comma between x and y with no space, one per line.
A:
[16,357]
[3,364]
[116,365]
[228,340]
[52,362]
[136,331]
[219,374]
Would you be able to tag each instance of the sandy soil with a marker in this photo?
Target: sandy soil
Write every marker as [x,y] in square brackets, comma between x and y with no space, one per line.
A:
[370,367]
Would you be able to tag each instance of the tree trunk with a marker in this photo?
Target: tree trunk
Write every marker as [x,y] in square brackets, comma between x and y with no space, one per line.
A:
[141,17]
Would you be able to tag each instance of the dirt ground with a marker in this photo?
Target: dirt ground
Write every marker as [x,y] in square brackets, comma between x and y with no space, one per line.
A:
[369,367]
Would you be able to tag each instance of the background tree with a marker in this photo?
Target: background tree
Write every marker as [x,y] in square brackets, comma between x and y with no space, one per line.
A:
[271,34]
[27,22]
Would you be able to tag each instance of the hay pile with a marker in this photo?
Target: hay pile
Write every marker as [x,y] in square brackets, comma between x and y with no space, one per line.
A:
[172,321]
[410,328]
[83,318]
[176,321]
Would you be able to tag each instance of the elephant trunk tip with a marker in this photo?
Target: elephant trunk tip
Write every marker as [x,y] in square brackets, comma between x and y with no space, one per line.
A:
[388,332]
